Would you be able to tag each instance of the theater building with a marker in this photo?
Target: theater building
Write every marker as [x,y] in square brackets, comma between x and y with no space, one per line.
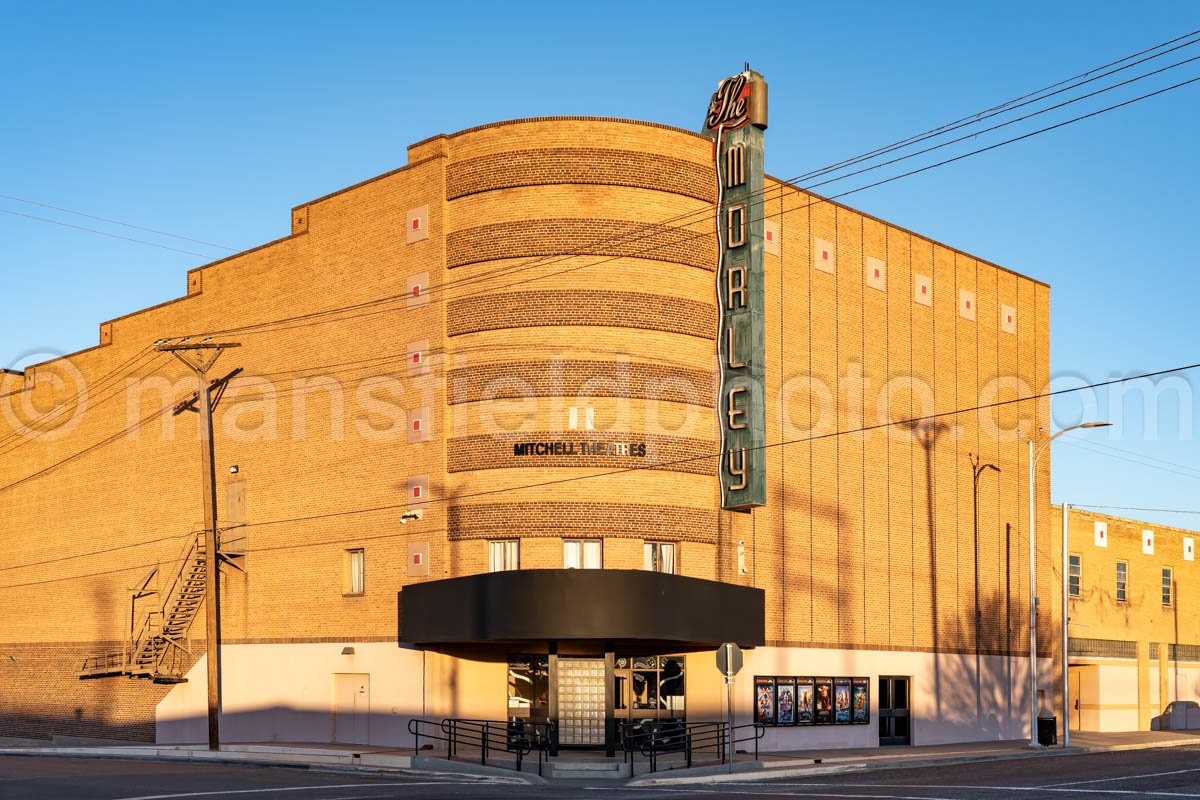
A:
[525,429]
[1133,620]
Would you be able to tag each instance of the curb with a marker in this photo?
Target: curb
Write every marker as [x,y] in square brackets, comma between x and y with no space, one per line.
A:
[835,766]
[322,761]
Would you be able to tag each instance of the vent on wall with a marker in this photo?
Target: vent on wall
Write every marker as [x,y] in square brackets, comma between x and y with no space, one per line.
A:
[771,236]
[876,273]
[824,257]
[966,304]
[1008,319]
[923,289]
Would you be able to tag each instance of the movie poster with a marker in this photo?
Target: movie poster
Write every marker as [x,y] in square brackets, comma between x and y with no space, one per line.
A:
[785,701]
[823,713]
[764,700]
[861,701]
[804,701]
[841,701]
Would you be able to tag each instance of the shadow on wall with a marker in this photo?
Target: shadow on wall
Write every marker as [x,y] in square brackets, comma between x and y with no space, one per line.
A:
[980,692]
[41,696]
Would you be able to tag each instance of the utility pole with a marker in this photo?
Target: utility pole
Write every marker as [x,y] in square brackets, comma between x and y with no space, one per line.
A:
[200,358]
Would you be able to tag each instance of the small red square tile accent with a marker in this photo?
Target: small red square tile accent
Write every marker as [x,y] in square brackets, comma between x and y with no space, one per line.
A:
[824,255]
[416,424]
[1010,318]
[416,559]
[924,290]
[416,291]
[416,226]
[968,304]
[876,273]
[770,236]
[416,491]
[416,358]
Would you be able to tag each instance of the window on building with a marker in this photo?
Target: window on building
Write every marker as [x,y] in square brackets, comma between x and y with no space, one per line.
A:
[354,572]
[504,555]
[1122,581]
[1074,575]
[660,556]
[1167,585]
[582,554]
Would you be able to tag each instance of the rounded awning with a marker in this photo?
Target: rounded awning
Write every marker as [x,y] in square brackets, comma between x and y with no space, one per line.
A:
[614,605]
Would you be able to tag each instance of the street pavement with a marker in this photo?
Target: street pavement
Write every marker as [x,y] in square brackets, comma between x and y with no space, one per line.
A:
[1127,775]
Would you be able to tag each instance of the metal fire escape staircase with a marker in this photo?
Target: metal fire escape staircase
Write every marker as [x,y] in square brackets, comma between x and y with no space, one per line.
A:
[156,646]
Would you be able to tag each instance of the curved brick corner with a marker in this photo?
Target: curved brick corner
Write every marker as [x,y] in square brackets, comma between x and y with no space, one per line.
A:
[560,308]
[663,453]
[582,237]
[574,378]
[580,165]
[619,521]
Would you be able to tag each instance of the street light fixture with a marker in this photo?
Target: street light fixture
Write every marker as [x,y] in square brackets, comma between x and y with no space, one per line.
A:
[1034,455]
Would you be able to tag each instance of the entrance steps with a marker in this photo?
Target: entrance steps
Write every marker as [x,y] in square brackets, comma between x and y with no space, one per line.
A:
[592,769]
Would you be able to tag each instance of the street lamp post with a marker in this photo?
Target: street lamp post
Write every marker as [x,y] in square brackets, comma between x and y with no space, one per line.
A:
[1035,452]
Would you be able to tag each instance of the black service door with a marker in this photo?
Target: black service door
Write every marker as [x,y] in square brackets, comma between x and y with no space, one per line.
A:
[895,723]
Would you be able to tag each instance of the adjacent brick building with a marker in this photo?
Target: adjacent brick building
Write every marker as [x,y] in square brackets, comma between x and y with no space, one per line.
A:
[538,281]
[1134,620]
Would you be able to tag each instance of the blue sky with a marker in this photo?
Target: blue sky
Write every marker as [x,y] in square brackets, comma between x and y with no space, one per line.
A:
[212,120]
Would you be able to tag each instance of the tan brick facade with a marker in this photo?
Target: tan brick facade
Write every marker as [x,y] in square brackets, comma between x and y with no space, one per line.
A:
[538,252]
[1134,622]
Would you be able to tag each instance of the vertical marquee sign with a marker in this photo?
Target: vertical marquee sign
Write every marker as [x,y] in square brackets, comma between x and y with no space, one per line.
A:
[736,119]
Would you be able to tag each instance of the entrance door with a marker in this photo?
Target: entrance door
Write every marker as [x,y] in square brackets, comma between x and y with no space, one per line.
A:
[648,689]
[1074,684]
[351,708]
[581,704]
[895,723]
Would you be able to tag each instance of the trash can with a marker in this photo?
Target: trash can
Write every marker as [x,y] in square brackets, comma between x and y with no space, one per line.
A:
[1047,733]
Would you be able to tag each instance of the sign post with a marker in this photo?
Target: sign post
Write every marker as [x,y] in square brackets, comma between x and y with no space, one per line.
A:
[729,662]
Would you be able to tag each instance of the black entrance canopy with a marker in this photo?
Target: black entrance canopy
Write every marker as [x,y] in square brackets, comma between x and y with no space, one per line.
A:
[615,605]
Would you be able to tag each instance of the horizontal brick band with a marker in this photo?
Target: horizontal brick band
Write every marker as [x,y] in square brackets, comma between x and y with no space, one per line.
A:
[575,378]
[562,308]
[581,165]
[582,237]
[610,520]
[495,451]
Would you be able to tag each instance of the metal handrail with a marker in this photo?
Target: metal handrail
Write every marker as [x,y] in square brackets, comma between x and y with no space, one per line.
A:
[673,736]
[518,738]
[191,550]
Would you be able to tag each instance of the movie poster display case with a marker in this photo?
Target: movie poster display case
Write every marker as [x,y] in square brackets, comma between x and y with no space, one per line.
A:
[789,701]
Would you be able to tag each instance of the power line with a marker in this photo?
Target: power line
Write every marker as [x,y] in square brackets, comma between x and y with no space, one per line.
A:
[82,394]
[101,233]
[105,551]
[269,326]
[843,194]
[1191,473]
[1136,508]
[1009,106]
[1006,123]
[911,423]
[690,459]
[116,222]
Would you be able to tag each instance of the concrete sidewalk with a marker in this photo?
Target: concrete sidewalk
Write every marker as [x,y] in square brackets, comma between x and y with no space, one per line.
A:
[301,755]
[799,763]
[769,766]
